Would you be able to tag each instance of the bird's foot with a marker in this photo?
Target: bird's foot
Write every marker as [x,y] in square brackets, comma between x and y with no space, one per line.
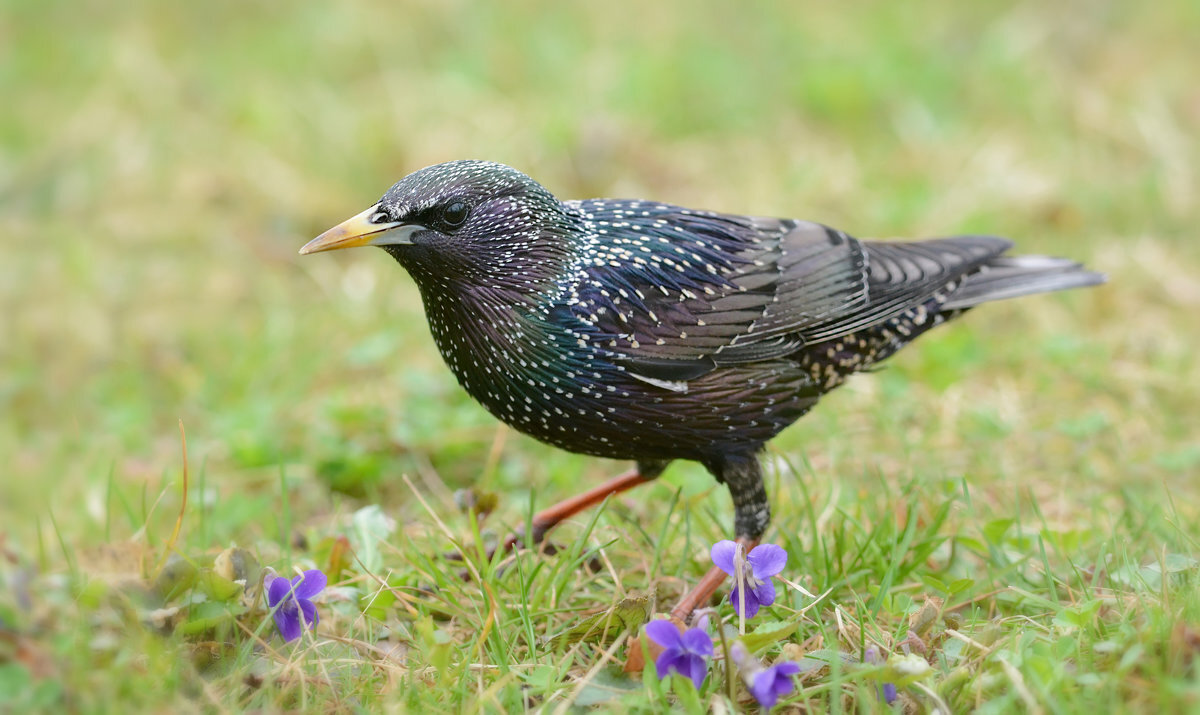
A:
[516,539]
[698,597]
[547,519]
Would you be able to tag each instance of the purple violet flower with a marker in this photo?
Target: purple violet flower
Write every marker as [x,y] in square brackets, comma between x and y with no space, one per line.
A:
[766,683]
[685,653]
[764,561]
[771,683]
[291,602]
[886,691]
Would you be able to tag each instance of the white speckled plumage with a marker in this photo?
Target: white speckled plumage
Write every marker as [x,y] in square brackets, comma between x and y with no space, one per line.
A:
[639,330]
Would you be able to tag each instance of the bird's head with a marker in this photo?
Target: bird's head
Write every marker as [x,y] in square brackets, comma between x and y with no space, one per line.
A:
[472,224]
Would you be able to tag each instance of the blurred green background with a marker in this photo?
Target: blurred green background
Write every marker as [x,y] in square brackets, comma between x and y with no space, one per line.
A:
[161,163]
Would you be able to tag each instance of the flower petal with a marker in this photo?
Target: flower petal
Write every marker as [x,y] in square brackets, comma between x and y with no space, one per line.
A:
[667,660]
[888,691]
[766,560]
[763,689]
[782,685]
[722,555]
[309,610]
[764,593]
[697,642]
[777,679]
[751,602]
[787,668]
[871,655]
[697,669]
[309,584]
[665,633]
[277,589]
[288,624]
[742,658]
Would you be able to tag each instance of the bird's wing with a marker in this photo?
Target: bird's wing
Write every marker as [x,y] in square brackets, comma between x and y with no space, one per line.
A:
[685,292]
[904,275]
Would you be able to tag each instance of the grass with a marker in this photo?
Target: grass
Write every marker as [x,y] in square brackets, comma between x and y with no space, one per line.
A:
[1013,499]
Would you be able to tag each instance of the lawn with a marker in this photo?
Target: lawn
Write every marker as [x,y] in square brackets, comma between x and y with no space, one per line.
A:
[1007,514]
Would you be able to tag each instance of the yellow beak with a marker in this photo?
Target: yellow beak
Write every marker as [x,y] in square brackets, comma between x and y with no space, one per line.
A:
[358,230]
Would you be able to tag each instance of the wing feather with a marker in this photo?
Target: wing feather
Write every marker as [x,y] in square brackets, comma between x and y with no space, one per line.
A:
[728,290]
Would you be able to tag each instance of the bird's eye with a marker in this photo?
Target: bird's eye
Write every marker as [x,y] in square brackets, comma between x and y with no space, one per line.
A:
[455,214]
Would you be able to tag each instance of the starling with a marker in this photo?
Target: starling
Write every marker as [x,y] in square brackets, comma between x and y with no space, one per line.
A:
[638,330]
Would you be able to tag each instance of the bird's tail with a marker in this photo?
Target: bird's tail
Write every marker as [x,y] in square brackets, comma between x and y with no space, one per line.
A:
[1005,277]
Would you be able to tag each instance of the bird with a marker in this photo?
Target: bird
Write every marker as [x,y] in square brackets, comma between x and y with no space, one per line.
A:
[644,331]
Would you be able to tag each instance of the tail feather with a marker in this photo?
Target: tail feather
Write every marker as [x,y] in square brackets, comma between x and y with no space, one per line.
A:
[1006,277]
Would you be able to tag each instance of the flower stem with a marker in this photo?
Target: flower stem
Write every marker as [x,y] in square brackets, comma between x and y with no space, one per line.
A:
[739,561]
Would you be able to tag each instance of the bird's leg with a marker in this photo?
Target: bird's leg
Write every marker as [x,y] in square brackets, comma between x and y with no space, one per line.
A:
[547,519]
[743,476]
[751,512]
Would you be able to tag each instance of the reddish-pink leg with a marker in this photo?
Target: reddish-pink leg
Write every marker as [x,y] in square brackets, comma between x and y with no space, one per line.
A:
[547,519]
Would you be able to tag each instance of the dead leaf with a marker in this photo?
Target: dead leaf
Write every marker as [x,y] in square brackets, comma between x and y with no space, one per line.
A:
[627,615]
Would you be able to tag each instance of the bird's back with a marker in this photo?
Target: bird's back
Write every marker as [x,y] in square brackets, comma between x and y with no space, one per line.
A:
[676,293]
[677,332]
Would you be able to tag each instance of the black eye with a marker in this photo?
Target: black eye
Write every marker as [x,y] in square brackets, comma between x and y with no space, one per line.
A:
[455,214]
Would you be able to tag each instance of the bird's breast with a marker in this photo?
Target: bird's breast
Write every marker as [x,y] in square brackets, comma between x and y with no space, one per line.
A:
[539,376]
